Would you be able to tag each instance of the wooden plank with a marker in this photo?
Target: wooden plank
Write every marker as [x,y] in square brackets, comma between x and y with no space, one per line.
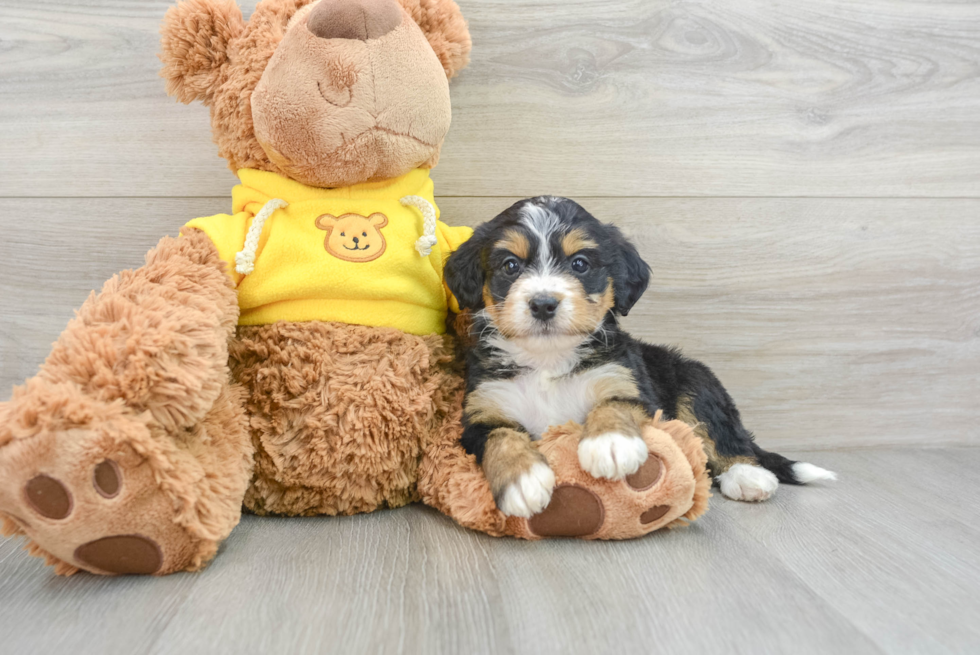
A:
[588,97]
[883,546]
[43,613]
[832,322]
[863,565]
[410,581]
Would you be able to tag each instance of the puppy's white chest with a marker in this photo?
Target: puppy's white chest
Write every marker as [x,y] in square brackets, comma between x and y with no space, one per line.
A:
[538,400]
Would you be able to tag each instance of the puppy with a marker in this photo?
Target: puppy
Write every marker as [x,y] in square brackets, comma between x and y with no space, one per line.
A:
[546,283]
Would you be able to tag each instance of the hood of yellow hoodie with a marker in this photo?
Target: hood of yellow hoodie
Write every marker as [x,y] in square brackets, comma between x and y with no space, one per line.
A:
[262,186]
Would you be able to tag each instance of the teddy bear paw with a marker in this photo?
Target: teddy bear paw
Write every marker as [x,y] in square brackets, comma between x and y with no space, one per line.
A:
[530,493]
[89,502]
[612,455]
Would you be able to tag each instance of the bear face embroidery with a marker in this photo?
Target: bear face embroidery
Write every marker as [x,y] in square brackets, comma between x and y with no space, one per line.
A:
[352,237]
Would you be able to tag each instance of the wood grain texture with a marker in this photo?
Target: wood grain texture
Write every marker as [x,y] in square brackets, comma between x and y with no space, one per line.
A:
[588,97]
[855,324]
[875,563]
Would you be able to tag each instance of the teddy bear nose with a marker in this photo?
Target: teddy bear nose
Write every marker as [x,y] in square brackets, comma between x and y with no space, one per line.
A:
[354,19]
[356,241]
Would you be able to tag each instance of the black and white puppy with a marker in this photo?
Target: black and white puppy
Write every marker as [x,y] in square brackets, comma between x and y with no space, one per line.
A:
[546,282]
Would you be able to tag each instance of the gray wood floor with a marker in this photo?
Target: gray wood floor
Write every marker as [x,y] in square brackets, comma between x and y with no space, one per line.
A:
[803,177]
[884,561]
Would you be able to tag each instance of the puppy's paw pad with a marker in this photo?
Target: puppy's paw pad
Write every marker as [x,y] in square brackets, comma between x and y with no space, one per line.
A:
[748,482]
[530,494]
[612,455]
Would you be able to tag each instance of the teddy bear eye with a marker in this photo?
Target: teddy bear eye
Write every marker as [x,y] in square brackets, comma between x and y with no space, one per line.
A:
[342,234]
[363,234]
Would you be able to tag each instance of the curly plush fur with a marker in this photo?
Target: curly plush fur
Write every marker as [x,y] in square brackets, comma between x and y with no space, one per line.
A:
[140,377]
[338,414]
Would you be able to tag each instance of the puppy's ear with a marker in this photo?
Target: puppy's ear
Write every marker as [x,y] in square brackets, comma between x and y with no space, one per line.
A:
[632,274]
[444,27]
[194,41]
[464,271]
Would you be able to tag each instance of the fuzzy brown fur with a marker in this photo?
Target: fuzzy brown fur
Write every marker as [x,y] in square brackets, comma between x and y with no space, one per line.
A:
[338,414]
[139,377]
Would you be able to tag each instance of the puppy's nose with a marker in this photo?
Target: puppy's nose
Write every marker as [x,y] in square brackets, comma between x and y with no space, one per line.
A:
[543,307]
[354,19]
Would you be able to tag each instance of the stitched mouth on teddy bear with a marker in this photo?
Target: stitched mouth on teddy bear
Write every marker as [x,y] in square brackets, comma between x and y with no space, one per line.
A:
[356,241]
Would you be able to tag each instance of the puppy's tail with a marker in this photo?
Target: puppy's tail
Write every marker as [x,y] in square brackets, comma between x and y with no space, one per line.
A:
[789,472]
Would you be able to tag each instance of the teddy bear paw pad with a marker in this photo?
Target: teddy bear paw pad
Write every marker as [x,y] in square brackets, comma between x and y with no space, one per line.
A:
[91,507]
[123,554]
[107,479]
[573,512]
[648,474]
[48,497]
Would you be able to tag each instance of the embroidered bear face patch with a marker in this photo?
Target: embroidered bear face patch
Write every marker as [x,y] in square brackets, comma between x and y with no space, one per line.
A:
[352,237]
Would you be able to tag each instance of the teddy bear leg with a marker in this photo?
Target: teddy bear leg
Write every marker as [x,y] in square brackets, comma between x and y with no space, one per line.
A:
[670,488]
[128,452]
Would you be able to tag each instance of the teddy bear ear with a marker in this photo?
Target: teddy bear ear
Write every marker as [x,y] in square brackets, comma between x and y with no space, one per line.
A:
[443,25]
[326,221]
[194,41]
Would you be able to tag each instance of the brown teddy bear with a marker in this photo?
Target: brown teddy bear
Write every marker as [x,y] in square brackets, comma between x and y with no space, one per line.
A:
[291,356]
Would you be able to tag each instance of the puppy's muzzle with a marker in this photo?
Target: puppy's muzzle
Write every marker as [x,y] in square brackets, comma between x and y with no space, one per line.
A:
[543,307]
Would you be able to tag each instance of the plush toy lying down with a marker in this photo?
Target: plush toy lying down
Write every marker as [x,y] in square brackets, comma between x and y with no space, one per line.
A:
[670,489]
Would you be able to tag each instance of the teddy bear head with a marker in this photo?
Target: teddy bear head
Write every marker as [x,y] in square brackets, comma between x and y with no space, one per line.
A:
[327,92]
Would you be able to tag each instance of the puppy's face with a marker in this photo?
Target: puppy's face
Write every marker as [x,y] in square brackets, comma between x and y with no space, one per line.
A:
[546,267]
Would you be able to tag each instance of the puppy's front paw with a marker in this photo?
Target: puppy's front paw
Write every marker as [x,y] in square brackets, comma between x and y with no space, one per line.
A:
[748,482]
[530,493]
[611,455]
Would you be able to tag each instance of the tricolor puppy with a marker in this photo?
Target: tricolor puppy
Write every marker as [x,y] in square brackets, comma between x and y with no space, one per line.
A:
[547,282]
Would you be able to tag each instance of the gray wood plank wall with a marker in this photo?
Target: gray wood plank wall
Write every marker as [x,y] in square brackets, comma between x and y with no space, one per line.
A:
[803,177]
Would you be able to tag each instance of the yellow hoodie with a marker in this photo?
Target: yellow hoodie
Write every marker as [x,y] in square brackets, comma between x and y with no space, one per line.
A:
[354,254]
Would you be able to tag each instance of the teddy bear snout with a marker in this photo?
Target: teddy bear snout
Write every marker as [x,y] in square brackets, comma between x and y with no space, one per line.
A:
[354,19]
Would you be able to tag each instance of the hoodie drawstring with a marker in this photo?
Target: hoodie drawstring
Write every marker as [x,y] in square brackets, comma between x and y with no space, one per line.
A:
[245,260]
[428,239]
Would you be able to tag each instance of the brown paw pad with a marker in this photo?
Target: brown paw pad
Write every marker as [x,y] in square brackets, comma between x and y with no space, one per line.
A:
[654,513]
[48,497]
[123,554]
[647,476]
[573,512]
[106,479]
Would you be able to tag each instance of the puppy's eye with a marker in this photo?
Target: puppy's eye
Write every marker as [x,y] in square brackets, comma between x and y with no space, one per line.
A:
[580,264]
[511,266]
